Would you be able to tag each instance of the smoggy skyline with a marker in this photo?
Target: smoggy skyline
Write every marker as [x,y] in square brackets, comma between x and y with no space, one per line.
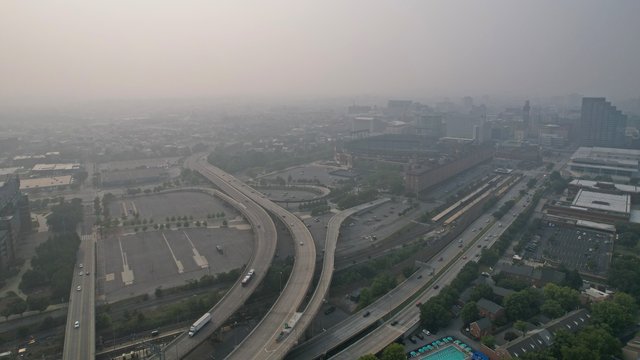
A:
[79,50]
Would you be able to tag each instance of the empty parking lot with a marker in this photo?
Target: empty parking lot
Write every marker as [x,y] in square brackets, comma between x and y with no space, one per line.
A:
[160,206]
[138,263]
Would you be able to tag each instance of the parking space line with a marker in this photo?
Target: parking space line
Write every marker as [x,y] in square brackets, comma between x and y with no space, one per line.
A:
[199,259]
[133,206]
[127,274]
[178,263]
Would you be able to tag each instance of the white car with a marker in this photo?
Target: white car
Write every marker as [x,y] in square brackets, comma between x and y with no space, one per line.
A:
[76,324]
[80,273]
[78,288]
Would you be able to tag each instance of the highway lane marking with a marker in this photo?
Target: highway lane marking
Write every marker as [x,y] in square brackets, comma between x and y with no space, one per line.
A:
[127,274]
[178,263]
[199,259]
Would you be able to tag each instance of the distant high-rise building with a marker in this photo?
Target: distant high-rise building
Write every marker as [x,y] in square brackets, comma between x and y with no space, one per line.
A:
[601,124]
[526,113]
[467,102]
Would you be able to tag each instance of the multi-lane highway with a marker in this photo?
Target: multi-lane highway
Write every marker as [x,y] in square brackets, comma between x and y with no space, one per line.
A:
[261,342]
[409,316]
[340,333]
[265,246]
[79,341]
[319,294]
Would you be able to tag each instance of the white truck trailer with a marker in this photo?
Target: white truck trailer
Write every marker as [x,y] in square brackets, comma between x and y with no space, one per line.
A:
[199,324]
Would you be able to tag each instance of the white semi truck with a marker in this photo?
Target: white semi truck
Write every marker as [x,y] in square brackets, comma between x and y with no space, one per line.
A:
[199,324]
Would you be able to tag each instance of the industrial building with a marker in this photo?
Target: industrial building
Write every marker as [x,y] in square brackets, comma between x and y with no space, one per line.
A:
[44,170]
[427,161]
[15,218]
[46,184]
[618,164]
[429,173]
[603,187]
[593,207]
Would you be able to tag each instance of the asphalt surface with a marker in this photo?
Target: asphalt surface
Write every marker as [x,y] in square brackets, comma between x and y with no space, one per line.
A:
[261,342]
[409,316]
[333,337]
[80,343]
[318,297]
[265,246]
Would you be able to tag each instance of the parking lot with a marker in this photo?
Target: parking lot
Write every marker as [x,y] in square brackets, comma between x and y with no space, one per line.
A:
[321,173]
[290,195]
[364,230]
[137,263]
[160,206]
[586,250]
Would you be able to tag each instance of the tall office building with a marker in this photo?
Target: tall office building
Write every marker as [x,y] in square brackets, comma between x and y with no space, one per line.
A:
[601,124]
[15,218]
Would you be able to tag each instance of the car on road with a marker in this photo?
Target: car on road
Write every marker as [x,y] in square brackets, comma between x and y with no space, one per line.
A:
[330,310]
[81,265]
[479,246]
[464,257]
[394,323]
[436,287]
[301,243]
[76,324]
[366,313]
[80,273]
[155,333]
[78,288]
[440,258]
[426,332]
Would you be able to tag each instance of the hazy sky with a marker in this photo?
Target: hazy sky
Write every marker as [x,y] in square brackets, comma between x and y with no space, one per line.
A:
[93,49]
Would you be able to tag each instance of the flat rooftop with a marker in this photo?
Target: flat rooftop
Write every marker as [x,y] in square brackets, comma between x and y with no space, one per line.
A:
[602,201]
[45,182]
[595,185]
[606,156]
[8,171]
[55,167]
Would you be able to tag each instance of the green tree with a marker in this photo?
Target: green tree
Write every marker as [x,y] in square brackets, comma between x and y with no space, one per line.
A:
[38,303]
[568,298]
[611,314]
[481,291]
[368,357]
[65,216]
[522,304]
[469,312]
[522,326]
[434,315]
[394,351]
[489,341]
[552,309]
[573,279]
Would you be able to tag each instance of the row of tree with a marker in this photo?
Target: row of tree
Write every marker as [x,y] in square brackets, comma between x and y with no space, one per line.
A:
[53,265]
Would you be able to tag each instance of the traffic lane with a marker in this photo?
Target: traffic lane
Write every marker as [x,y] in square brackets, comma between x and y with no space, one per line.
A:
[297,230]
[238,294]
[408,316]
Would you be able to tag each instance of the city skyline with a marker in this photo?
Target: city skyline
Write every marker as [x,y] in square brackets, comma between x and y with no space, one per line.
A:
[77,51]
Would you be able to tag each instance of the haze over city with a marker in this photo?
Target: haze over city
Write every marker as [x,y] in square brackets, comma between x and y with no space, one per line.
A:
[79,50]
[315,180]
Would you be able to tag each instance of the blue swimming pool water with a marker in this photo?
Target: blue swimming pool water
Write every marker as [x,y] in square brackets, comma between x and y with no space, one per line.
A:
[448,353]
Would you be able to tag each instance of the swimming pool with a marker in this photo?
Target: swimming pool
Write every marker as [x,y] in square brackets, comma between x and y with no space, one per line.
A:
[448,353]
